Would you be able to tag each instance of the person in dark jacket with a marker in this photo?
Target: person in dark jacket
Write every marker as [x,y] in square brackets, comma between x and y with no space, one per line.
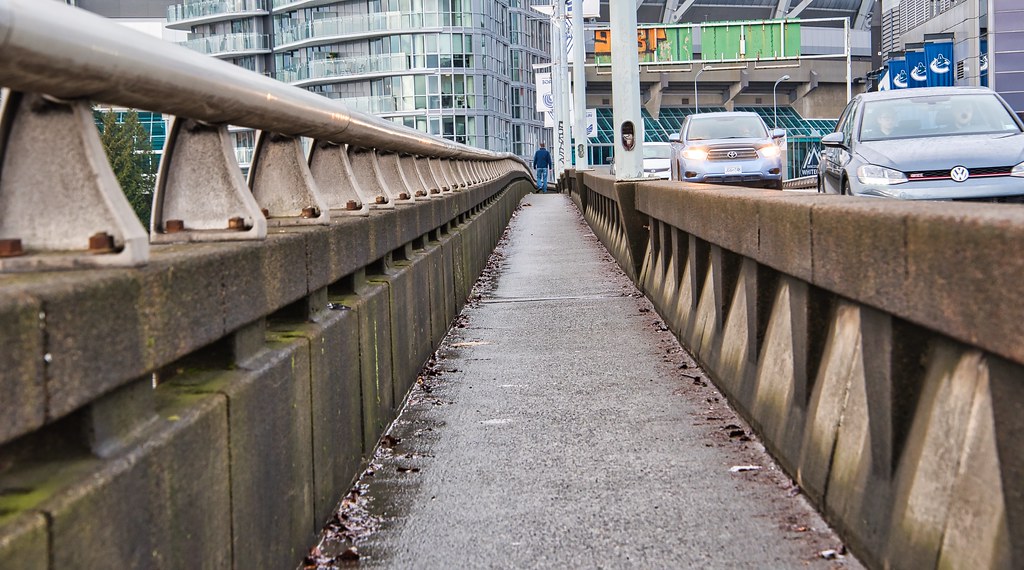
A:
[542,162]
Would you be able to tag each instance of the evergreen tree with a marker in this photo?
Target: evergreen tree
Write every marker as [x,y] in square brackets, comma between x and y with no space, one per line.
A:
[131,158]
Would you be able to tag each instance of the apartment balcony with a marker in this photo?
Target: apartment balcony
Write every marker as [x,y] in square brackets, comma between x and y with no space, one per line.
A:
[432,105]
[327,71]
[184,16]
[230,45]
[374,105]
[326,31]
[289,5]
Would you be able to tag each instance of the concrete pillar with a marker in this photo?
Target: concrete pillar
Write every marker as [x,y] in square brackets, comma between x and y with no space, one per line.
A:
[563,121]
[579,86]
[629,162]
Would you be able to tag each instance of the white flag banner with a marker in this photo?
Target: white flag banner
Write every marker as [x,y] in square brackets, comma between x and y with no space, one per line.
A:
[591,123]
[591,9]
[568,28]
[545,101]
[549,120]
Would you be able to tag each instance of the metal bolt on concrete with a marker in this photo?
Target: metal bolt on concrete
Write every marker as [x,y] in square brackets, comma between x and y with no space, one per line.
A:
[561,426]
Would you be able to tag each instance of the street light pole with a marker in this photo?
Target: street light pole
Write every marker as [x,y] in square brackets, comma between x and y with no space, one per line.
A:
[579,85]
[775,109]
[629,124]
[563,124]
[696,102]
[557,39]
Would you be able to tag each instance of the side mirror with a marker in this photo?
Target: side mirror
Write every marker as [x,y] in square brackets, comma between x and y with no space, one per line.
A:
[674,137]
[833,140]
[778,133]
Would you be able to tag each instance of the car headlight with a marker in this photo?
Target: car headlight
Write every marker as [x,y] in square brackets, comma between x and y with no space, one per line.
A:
[1018,170]
[769,151]
[879,175]
[695,154]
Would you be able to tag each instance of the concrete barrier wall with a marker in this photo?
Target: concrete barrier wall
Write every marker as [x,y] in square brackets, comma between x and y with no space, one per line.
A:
[876,347]
[210,409]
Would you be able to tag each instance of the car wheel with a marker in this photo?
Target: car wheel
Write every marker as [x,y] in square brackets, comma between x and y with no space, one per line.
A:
[846,188]
[778,184]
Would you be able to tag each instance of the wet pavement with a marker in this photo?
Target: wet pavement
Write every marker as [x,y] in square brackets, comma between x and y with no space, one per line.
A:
[560,425]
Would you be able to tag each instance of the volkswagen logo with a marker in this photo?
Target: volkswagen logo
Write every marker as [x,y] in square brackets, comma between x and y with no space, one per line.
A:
[732,154]
[959,174]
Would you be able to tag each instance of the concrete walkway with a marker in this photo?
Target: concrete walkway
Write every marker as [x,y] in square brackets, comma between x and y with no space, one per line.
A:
[562,427]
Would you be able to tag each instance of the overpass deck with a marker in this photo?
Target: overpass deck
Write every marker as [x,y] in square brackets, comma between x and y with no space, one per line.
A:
[561,425]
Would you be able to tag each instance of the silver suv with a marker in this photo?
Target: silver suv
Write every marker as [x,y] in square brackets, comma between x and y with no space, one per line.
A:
[727,148]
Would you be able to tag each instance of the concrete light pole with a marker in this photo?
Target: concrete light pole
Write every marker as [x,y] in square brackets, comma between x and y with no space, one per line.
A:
[563,131]
[775,109]
[558,141]
[629,124]
[696,102]
[579,85]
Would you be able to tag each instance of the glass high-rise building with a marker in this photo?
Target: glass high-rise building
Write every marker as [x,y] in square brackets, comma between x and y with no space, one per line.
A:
[461,69]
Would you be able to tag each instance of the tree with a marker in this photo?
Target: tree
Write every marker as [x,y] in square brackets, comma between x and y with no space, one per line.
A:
[131,158]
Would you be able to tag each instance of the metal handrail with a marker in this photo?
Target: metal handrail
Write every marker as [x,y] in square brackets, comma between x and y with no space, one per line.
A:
[69,53]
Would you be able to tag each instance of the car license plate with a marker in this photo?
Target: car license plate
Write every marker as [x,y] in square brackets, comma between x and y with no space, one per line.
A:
[734,170]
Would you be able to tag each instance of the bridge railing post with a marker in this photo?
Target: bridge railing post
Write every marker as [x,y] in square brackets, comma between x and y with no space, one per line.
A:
[61,206]
[282,183]
[200,193]
[334,176]
[367,171]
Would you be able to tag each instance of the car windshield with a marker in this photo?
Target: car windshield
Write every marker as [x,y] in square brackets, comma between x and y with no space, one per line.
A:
[934,116]
[735,127]
[657,151]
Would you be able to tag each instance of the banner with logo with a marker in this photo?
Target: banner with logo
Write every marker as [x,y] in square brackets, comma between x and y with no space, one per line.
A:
[545,101]
[983,60]
[884,80]
[917,67]
[898,72]
[939,56]
[591,123]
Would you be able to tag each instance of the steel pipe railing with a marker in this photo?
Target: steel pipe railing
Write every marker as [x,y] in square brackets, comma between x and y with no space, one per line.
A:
[58,59]
[69,53]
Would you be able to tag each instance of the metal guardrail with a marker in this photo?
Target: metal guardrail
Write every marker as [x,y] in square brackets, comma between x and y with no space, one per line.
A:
[802,182]
[58,58]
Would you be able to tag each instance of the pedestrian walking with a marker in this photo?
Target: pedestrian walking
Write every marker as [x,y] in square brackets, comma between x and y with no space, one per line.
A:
[542,162]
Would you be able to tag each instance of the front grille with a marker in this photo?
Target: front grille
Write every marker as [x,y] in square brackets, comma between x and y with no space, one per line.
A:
[723,153]
[944,174]
[720,179]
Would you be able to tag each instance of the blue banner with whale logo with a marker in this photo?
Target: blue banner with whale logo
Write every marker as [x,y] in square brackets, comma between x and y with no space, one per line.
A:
[917,68]
[983,60]
[939,56]
[885,80]
[898,73]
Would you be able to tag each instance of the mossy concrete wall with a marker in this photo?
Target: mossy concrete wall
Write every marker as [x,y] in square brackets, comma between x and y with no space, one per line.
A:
[210,409]
[876,346]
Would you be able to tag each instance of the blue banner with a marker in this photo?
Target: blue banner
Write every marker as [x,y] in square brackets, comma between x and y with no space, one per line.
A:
[939,56]
[984,62]
[917,68]
[898,73]
[884,80]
